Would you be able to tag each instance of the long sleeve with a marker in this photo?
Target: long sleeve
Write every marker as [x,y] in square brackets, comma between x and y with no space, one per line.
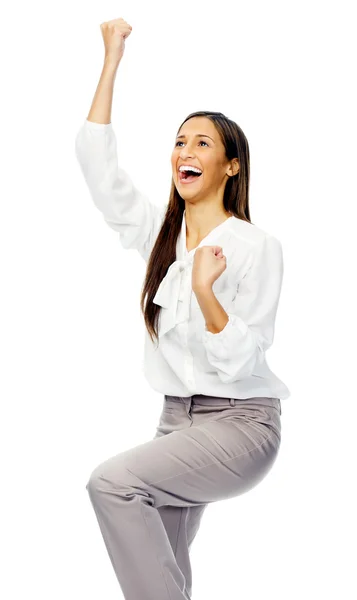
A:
[124,208]
[240,346]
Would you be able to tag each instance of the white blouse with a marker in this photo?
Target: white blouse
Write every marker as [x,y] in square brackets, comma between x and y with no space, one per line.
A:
[190,359]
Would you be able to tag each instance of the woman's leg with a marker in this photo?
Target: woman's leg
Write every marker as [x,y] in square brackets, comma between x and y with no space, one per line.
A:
[223,454]
[181,522]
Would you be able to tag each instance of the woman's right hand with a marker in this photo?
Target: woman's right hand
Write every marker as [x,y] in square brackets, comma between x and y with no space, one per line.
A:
[114,34]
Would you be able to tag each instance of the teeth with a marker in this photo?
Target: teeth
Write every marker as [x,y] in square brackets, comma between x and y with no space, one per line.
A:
[188,168]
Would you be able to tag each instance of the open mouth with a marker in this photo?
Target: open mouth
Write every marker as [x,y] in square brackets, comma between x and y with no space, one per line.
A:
[188,176]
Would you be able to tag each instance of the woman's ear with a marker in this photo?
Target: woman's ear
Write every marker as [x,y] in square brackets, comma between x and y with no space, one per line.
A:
[234,167]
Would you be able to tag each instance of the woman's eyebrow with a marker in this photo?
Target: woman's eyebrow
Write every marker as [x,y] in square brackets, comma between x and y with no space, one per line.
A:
[197,135]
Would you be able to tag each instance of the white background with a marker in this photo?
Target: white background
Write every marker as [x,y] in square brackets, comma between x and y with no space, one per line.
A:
[72,388]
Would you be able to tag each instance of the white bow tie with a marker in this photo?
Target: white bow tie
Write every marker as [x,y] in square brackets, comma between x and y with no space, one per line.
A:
[174,295]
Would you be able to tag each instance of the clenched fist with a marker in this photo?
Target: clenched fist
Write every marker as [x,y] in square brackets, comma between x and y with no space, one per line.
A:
[208,264]
[114,35]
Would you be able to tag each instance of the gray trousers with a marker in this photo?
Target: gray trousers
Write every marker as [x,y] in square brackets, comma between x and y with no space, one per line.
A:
[149,500]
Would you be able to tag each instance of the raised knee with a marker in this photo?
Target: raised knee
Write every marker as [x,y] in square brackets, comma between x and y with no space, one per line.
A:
[95,481]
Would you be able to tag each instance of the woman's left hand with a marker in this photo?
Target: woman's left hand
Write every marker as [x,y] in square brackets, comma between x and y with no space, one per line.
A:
[208,264]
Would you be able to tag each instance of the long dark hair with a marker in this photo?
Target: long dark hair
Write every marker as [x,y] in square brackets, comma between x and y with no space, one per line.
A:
[235,201]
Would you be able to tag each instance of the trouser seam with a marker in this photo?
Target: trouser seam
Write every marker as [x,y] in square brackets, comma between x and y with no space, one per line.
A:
[219,462]
[178,530]
[160,565]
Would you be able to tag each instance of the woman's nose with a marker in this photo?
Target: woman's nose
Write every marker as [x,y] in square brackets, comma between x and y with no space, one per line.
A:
[185,153]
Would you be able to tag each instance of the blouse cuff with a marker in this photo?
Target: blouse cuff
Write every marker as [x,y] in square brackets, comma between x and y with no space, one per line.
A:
[233,350]
[93,125]
[233,321]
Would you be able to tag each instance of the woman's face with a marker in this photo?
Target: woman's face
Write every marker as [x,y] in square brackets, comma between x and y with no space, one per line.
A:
[199,144]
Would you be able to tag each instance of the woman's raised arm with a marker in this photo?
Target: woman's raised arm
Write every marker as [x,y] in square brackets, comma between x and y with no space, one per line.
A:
[124,208]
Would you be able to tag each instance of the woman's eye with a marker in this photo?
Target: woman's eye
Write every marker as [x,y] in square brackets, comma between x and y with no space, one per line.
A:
[200,142]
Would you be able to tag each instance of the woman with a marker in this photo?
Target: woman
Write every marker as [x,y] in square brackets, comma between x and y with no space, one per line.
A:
[209,301]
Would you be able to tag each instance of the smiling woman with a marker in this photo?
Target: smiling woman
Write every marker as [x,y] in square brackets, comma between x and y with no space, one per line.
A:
[213,152]
[210,298]
[209,157]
